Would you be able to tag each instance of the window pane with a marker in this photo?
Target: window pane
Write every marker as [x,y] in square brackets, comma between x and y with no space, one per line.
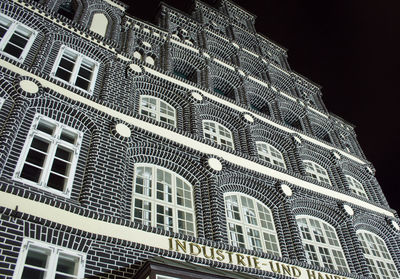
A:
[31,173]
[68,61]
[142,212]
[56,182]
[36,158]
[68,136]
[12,48]
[86,70]
[60,167]
[40,144]
[20,38]
[30,273]
[64,154]
[4,25]
[46,127]
[37,258]
[63,74]
[17,41]
[67,264]
[82,83]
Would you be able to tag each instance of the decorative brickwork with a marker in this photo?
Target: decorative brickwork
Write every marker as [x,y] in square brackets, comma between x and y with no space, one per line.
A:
[208,66]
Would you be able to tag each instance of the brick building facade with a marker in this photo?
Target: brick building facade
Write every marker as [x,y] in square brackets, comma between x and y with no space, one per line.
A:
[184,150]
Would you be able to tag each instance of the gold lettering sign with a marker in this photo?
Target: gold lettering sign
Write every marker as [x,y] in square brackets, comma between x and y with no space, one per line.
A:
[219,255]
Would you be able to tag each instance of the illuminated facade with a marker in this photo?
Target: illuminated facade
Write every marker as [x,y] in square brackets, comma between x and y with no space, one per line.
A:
[184,150]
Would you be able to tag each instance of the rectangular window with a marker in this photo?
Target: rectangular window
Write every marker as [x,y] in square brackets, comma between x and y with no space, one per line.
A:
[76,69]
[15,38]
[49,157]
[46,261]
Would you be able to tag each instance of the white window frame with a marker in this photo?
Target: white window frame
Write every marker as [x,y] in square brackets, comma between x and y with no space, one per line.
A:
[14,27]
[151,193]
[270,154]
[54,142]
[156,112]
[378,258]
[318,235]
[316,171]
[54,254]
[260,224]
[80,60]
[356,187]
[218,134]
[2,100]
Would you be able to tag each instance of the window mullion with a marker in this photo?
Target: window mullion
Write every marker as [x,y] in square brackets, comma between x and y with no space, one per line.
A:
[260,227]
[217,132]
[24,153]
[158,109]
[53,260]
[8,34]
[175,204]
[54,141]
[153,196]
[76,68]
[28,45]
[316,246]
[243,222]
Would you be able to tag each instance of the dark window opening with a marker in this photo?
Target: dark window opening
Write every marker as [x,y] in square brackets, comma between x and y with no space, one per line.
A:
[327,138]
[264,109]
[230,94]
[219,91]
[295,124]
[67,9]
[190,77]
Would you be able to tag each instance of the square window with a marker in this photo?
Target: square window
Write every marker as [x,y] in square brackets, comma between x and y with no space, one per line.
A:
[46,261]
[76,69]
[48,159]
[15,38]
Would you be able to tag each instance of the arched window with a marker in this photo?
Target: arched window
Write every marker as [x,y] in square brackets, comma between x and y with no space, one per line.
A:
[99,24]
[379,261]
[250,224]
[217,133]
[321,243]
[316,171]
[270,154]
[356,187]
[158,110]
[163,199]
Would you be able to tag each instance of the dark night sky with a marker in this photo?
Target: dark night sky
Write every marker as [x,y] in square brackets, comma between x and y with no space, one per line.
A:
[350,48]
